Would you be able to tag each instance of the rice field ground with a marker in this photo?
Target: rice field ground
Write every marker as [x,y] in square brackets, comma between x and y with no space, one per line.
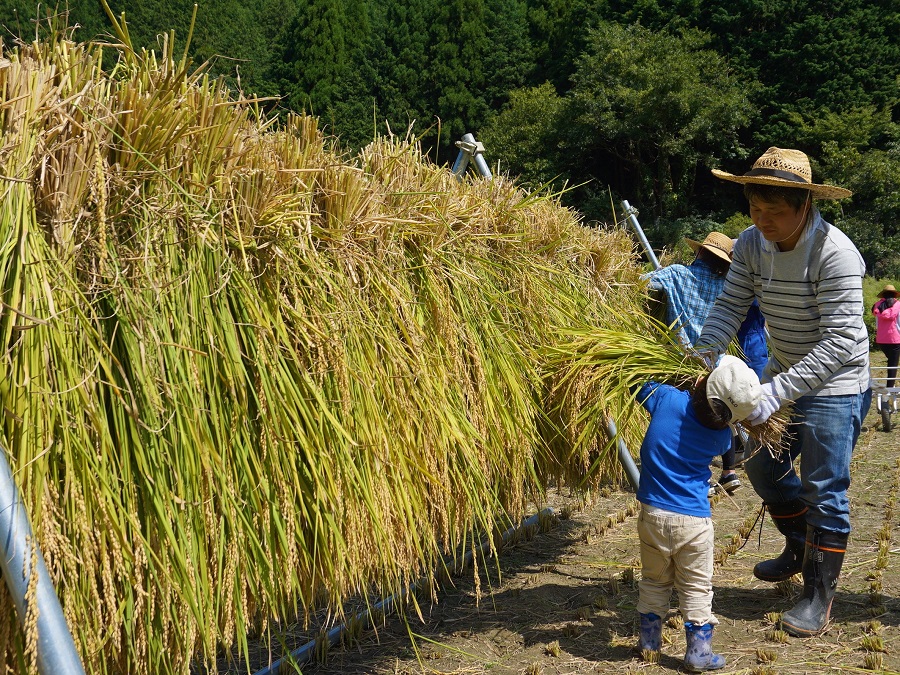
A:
[564,601]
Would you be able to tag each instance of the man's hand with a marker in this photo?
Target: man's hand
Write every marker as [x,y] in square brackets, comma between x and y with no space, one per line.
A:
[769,403]
[710,357]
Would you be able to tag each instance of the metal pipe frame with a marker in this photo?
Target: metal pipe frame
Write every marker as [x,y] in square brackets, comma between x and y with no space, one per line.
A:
[56,652]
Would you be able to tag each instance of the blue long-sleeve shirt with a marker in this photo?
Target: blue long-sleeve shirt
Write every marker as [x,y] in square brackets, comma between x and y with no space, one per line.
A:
[676,452]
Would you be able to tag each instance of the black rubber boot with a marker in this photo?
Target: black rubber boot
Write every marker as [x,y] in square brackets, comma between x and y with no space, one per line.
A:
[821,568]
[790,519]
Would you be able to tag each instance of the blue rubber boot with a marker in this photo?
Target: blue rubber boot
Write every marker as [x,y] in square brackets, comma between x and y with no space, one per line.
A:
[699,656]
[651,633]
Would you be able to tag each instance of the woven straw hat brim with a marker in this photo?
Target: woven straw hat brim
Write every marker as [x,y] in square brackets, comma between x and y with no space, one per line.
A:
[887,289]
[819,191]
[715,250]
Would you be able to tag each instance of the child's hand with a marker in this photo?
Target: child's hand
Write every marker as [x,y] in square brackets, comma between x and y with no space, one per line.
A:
[769,403]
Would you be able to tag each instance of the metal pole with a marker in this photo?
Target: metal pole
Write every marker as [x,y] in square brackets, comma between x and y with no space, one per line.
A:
[469,148]
[631,217]
[462,161]
[632,473]
[56,652]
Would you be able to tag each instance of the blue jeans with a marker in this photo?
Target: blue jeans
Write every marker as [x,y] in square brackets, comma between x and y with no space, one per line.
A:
[823,432]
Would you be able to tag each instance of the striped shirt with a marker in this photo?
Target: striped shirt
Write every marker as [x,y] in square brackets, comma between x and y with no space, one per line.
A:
[812,300]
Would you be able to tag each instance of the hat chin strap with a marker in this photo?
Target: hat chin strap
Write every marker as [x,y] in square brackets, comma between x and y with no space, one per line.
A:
[800,224]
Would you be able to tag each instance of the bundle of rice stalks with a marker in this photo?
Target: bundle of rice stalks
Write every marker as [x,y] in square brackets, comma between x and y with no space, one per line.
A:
[595,373]
[246,377]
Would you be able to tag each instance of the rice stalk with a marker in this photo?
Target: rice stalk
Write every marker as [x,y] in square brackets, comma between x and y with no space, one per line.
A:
[596,373]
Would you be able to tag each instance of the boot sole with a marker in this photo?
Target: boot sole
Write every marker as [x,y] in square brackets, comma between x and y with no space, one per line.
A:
[796,631]
[695,669]
[775,579]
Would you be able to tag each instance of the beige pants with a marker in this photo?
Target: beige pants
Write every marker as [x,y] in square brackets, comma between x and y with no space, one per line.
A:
[677,551]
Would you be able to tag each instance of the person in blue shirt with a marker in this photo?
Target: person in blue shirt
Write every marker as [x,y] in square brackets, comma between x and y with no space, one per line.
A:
[752,338]
[688,293]
[686,431]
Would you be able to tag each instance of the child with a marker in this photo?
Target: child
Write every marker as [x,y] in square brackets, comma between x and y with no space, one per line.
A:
[676,531]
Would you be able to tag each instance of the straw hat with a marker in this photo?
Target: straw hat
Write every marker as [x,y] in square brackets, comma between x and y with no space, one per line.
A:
[888,289]
[785,168]
[716,243]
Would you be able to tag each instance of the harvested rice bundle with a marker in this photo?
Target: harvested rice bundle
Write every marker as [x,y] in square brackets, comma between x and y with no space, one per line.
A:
[599,368]
[247,377]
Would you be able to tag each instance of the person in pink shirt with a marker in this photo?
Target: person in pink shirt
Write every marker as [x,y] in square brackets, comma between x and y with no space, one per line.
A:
[887,335]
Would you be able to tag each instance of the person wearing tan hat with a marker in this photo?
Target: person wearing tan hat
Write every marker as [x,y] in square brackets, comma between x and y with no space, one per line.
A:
[887,330]
[807,277]
[687,429]
[689,291]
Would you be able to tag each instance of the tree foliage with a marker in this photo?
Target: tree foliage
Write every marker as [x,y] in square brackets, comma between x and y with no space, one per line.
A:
[653,105]
[612,99]
[645,110]
[525,139]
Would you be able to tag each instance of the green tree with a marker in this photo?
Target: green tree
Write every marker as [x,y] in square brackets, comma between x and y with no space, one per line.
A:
[323,42]
[509,62]
[456,76]
[648,108]
[402,92]
[558,31]
[809,56]
[524,138]
[872,217]
[233,36]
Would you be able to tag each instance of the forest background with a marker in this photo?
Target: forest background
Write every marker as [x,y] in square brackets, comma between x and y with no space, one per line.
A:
[601,99]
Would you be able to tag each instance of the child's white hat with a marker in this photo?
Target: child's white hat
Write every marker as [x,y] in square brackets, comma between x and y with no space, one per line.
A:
[735,384]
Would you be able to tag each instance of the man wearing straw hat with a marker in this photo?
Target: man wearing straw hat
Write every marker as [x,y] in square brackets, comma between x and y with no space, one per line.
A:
[807,277]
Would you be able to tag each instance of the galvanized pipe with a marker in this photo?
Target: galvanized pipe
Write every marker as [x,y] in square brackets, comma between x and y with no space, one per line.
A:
[461,163]
[632,473]
[469,148]
[631,217]
[56,652]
